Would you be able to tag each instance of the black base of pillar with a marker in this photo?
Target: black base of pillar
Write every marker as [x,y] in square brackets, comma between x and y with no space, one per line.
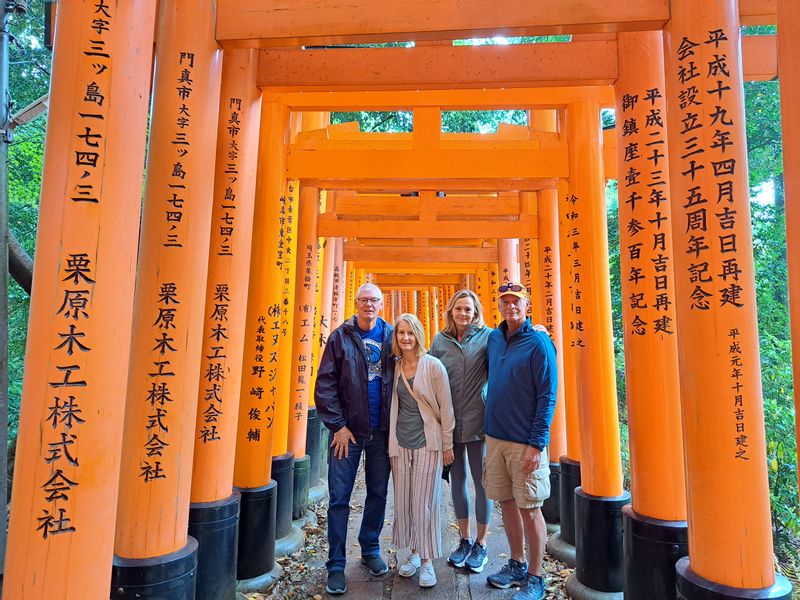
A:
[569,480]
[651,547]
[552,506]
[598,540]
[283,474]
[257,531]
[302,472]
[312,445]
[168,577]
[693,587]
[215,526]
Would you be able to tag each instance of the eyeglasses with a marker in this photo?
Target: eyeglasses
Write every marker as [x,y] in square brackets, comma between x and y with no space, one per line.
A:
[373,301]
[510,287]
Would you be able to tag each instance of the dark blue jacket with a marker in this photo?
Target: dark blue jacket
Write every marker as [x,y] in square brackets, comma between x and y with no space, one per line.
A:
[341,393]
[523,381]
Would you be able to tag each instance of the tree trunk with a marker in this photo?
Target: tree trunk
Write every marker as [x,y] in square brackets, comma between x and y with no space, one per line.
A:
[20,265]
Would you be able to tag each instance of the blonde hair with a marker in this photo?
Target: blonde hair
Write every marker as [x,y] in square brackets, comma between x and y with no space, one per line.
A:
[416,328]
[477,319]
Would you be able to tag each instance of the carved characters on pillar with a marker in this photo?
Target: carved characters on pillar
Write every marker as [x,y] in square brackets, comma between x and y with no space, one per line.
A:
[573,237]
[645,237]
[548,288]
[711,221]
[173,215]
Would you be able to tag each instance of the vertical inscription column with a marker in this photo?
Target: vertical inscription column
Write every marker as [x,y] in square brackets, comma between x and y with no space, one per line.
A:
[599,500]
[730,546]
[63,508]
[508,261]
[657,515]
[213,515]
[258,394]
[161,407]
[339,283]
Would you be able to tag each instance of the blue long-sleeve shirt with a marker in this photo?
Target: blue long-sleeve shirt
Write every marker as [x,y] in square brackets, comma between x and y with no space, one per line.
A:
[523,382]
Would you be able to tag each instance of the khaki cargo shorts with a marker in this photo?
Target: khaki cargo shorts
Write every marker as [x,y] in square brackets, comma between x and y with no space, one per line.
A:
[503,479]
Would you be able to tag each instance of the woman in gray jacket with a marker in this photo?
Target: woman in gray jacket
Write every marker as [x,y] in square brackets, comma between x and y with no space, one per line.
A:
[462,349]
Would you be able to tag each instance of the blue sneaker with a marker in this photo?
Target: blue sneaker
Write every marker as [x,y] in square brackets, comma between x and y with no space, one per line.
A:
[477,558]
[513,574]
[532,590]
[460,554]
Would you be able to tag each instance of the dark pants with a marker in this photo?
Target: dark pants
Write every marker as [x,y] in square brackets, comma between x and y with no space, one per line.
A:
[341,478]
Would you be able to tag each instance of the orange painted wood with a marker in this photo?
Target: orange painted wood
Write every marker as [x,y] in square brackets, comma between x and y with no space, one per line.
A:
[652,381]
[339,283]
[421,255]
[278,23]
[526,225]
[161,407]
[716,305]
[579,63]
[789,56]
[434,184]
[303,328]
[64,502]
[306,22]
[327,280]
[566,261]
[508,260]
[601,469]
[458,99]
[549,301]
[258,403]
[439,67]
[228,274]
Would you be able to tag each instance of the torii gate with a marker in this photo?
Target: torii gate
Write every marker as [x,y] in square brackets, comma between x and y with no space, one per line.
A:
[64,509]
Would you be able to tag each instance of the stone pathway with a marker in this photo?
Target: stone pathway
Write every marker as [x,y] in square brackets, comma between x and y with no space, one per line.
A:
[305,576]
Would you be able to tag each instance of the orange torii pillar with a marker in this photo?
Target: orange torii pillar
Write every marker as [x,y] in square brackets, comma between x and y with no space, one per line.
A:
[280,373]
[169,305]
[424,314]
[655,522]
[508,261]
[493,279]
[214,509]
[562,544]
[350,285]
[252,473]
[63,509]
[599,500]
[549,302]
[789,67]
[730,534]
[481,279]
[303,336]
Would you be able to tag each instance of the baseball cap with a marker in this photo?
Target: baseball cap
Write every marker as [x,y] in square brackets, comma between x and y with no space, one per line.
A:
[513,289]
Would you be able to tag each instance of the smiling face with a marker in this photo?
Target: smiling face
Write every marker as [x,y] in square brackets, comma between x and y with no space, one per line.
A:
[514,310]
[406,340]
[369,301]
[463,312]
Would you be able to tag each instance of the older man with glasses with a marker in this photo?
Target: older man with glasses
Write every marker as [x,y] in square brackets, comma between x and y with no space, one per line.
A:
[520,401]
[353,395]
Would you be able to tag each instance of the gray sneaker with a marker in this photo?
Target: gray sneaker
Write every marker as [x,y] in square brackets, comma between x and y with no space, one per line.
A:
[460,554]
[477,558]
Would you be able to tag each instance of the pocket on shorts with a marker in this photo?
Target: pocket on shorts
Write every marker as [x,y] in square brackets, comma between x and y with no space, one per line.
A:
[538,485]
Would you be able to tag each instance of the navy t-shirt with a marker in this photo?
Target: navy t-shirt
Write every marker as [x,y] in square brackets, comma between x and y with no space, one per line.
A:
[373,340]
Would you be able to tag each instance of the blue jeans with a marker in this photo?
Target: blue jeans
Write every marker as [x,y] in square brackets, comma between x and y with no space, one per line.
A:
[341,478]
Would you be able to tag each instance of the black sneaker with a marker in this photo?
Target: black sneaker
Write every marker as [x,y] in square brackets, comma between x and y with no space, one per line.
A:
[532,590]
[375,565]
[460,554]
[337,584]
[477,558]
[513,574]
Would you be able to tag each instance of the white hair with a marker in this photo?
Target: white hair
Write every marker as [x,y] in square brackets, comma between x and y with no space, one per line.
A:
[369,287]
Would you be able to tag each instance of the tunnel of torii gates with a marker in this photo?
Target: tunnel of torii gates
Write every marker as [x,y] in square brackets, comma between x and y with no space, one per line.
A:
[166,436]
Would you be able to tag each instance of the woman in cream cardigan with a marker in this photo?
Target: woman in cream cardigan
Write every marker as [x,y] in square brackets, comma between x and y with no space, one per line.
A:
[421,426]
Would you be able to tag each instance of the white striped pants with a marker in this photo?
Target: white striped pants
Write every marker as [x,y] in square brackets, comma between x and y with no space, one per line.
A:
[417,480]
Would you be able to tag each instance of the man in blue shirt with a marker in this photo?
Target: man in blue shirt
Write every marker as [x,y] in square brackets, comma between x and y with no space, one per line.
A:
[520,401]
[352,395]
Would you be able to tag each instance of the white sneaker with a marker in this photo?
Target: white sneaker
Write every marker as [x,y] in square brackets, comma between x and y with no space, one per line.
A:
[409,568]
[427,576]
